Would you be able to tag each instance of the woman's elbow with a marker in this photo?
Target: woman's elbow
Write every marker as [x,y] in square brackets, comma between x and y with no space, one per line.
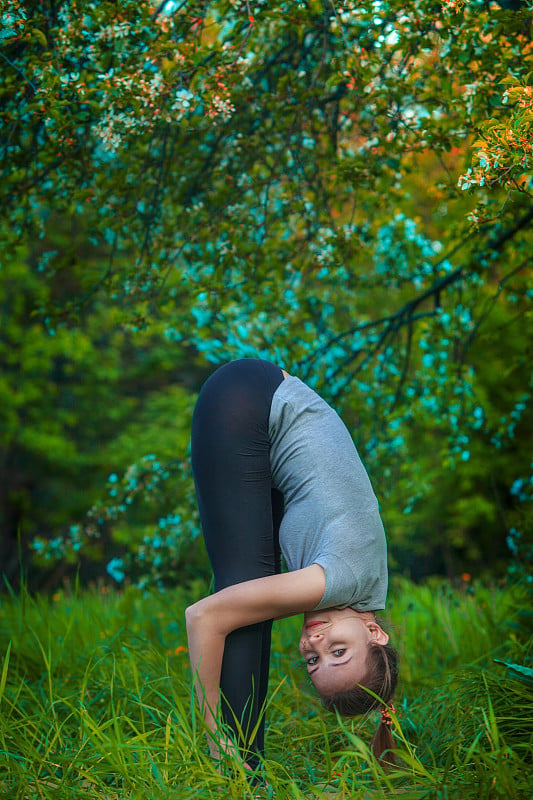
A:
[190,614]
[194,613]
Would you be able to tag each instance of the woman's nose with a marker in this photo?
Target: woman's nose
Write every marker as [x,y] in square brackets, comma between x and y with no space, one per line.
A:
[316,637]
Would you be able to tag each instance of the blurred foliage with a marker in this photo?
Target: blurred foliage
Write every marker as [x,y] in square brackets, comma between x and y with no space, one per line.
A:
[76,400]
[342,188]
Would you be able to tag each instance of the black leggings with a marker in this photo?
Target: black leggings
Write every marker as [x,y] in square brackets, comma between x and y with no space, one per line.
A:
[240,514]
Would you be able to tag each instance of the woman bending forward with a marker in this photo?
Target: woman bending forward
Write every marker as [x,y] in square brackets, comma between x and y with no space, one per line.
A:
[276,469]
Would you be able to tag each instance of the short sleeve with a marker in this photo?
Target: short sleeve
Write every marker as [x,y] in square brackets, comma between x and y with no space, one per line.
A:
[343,590]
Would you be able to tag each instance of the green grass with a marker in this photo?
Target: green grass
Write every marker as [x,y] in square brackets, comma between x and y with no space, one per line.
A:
[95,702]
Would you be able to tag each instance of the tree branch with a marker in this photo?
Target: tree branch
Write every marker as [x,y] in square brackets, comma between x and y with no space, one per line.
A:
[405,314]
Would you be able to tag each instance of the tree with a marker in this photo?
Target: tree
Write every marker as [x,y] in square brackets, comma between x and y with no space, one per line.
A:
[78,402]
[254,176]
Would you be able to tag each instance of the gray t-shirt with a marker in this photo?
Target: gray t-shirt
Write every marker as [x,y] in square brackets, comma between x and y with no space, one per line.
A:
[331,512]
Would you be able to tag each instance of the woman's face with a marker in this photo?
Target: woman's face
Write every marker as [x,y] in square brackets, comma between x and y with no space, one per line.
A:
[334,644]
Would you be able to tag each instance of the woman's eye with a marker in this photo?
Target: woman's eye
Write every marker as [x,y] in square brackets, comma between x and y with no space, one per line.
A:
[312,660]
[340,652]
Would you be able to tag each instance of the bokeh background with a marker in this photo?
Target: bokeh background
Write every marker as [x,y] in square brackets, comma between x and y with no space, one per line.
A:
[343,188]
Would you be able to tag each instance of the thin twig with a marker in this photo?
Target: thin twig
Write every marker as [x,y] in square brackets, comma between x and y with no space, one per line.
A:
[18,71]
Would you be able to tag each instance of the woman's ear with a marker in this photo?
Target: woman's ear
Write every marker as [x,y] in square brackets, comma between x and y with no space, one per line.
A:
[377,634]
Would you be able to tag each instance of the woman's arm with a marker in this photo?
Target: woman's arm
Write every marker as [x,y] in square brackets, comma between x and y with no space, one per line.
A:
[210,620]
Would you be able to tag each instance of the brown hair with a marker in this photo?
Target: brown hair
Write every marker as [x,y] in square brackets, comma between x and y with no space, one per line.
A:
[381,678]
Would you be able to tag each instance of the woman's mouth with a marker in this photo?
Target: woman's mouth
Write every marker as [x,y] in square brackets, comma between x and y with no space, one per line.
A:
[313,624]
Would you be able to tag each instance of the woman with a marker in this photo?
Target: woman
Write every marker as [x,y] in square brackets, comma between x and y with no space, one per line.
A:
[275,469]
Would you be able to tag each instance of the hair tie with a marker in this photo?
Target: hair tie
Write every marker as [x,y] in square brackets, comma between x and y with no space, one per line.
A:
[386,718]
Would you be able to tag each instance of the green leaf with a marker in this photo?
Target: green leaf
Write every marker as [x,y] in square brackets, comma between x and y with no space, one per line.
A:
[5,667]
[522,673]
[38,34]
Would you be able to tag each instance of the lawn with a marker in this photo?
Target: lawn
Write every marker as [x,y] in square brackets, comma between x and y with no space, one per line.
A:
[96,702]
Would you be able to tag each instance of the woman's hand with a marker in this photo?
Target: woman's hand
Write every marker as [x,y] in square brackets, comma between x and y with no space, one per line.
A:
[219,747]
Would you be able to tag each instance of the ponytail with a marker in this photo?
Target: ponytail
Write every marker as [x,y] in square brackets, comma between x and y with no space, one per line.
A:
[382,742]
